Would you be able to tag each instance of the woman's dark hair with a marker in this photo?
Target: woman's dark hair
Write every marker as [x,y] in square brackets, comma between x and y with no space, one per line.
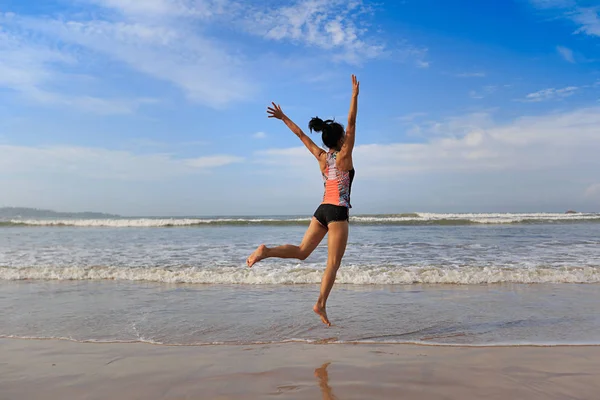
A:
[332,131]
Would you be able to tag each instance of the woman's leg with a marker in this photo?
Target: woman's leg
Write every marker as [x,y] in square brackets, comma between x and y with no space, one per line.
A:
[313,236]
[336,246]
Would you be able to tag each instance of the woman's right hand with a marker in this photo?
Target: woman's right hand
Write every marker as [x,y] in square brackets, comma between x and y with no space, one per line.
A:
[275,111]
[355,86]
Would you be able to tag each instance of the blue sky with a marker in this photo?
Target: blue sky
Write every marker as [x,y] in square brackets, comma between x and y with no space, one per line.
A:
[157,107]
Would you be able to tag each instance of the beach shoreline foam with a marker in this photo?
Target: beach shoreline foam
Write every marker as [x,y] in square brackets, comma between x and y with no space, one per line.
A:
[50,369]
[298,274]
[411,219]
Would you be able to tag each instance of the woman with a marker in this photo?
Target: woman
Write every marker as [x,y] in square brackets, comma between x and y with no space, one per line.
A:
[333,214]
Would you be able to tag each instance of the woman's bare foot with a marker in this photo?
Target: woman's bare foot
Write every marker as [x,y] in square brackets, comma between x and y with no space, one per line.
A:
[320,311]
[258,255]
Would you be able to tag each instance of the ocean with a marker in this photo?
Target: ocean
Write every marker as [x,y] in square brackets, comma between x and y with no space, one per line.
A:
[435,279]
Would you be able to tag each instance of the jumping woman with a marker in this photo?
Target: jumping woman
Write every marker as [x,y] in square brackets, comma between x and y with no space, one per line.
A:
[333,213]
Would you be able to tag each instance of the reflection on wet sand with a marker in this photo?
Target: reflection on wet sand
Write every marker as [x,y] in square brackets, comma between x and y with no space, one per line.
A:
[323,377]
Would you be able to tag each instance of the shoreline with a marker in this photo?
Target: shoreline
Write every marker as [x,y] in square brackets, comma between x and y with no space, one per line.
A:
[350,277]
[53,369]
[305,342]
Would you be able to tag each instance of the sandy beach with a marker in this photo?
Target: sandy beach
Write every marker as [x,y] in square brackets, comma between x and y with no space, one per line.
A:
[31,369]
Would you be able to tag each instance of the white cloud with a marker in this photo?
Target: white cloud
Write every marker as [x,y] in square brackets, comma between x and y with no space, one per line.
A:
[553,144]
[167,40]
[169,52]
[423,64]
[588,19]
[412,116]
[157,144]
[326,24]
[213,161]
[259,135]
[102,163]
[566,53]
[91,104]
[166,8]
[553,3]
[578,11]
[473,158]
[471,75]
[550,94]
[339,26]
[333,25]
[32,69]
[165,49]
[410,53]
[485,91]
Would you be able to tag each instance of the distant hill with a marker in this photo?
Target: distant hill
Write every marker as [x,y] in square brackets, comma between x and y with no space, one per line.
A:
[22,212]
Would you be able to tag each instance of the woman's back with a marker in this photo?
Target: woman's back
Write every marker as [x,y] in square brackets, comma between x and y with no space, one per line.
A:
[338,183]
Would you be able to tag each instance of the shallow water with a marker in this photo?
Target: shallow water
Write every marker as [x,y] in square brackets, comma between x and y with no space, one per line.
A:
[445,284]
[203,314]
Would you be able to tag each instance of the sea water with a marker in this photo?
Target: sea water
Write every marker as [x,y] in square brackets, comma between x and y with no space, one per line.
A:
[454,279]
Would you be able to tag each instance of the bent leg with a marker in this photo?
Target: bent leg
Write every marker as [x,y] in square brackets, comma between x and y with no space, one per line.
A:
[336,243]
[313,236]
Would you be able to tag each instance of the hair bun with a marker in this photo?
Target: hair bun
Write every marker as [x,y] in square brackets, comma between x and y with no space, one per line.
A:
[332,131]
[317,124]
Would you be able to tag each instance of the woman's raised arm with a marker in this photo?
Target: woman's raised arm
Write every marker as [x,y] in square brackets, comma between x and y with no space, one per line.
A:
[345,154]
[276,112]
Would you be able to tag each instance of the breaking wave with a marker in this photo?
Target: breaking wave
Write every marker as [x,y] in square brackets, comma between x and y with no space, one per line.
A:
[291,275]
[391,219]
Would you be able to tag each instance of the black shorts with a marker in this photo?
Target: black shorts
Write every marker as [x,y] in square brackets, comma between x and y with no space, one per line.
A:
[327,213]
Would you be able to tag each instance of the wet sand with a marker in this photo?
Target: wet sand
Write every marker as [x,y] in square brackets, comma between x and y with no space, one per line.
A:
[31,369]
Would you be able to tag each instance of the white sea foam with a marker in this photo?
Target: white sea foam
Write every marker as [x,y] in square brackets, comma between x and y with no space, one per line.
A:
[151,222]
[408,219]
[493,218]
[489,218]
[353,274]
[516,344]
